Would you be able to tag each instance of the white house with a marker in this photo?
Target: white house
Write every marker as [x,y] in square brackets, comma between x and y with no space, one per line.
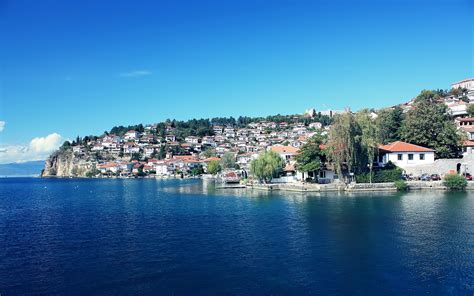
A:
[458,108]
[286,152]
[192,140]
[170,138]
[316,125]
[404,154]
[466,83]
[161,168]
[131,135]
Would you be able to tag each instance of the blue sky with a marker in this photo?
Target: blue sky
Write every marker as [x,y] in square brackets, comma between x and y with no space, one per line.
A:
[81,67]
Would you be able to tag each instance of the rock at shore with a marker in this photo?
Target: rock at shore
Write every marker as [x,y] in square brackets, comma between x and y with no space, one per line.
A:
[65,163]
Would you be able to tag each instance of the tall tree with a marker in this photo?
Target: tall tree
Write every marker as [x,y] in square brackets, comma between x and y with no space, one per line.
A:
[470,110]
[213,167]
[428,124]
[228,160]
[369,137]
[266,166]
[309,156]
[344,144]
[388,123]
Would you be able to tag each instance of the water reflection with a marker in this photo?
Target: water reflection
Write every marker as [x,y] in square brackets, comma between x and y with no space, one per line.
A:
[173,236]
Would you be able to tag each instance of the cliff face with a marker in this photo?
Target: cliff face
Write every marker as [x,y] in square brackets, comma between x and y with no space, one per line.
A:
[64,163]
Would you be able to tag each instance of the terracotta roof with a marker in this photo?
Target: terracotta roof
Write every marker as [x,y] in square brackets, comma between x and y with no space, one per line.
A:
[466,119]
[185,157]
[284,149]
[400,146]
[212,159]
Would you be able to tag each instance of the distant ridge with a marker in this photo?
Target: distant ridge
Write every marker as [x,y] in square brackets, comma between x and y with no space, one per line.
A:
[22,169]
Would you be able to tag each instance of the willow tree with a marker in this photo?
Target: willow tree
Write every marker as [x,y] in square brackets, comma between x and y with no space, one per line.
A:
[266,166]
[369,137]
[344,143]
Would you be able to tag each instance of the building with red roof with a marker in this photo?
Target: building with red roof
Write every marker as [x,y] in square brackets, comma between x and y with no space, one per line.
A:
[404,154]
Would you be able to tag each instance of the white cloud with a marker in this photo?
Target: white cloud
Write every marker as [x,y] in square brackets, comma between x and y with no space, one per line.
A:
[2,125]
[38,149]
[136,73]
[46,144]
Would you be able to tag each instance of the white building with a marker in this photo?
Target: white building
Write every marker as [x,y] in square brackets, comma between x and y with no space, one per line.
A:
[192,140]
[287,153]
[316,125]
[466,83]
[131,135]
[458,108]
[405,155]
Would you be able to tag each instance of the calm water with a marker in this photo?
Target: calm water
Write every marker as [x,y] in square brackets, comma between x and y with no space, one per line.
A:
[153,237]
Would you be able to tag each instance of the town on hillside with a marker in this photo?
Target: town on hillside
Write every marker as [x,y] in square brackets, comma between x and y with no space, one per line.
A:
[426,138]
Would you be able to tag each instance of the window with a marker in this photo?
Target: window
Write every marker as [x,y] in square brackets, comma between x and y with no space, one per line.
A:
[400,156]
[422,156]
[410,156]
[322,174]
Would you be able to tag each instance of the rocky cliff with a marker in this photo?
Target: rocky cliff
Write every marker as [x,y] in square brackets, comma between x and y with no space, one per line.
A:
[65,163]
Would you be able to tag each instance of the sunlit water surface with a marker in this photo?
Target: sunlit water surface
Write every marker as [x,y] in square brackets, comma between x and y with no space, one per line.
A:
[148,237]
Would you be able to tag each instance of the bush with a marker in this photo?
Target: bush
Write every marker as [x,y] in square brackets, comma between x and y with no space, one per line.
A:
[455,182]
[401,185]
[382,176]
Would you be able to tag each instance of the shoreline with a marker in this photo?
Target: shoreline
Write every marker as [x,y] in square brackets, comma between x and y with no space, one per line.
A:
[356,187]
[303,187]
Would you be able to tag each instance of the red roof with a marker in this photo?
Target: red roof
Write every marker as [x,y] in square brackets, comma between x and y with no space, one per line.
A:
[284,149]
[400,146]
[185,157]
[212,159]
[465,119]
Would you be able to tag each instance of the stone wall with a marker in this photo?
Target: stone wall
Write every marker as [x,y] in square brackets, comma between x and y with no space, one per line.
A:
[443,167]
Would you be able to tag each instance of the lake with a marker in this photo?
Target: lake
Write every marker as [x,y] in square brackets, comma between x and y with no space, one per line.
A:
[182,237]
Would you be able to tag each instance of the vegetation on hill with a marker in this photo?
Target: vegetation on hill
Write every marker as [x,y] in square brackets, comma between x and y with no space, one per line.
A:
[428,124]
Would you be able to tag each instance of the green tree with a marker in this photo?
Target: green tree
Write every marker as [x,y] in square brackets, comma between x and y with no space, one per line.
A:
[369,137]
[209,153]
[213,167]
[388,123]
[92,173]
[428,124]
[228,161]
[162,153]
[309,156]
[470,110]
[266,166]
[344,144]
[197,171]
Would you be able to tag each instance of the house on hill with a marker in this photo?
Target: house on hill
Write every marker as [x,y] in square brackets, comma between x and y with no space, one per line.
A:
[288,153]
